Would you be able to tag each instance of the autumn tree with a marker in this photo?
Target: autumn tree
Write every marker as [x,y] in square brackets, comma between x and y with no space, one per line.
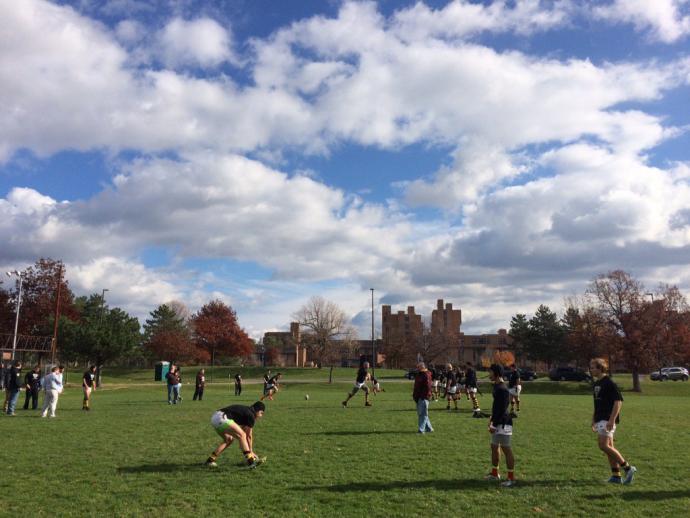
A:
[39,295]
[216,331]
[665,326]
[620,298]
[324,322]
[588,333]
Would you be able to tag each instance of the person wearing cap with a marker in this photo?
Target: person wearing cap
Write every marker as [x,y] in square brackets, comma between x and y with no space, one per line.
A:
[501,428]
[237,422]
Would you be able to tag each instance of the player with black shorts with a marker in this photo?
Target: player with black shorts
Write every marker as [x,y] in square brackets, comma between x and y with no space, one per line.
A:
[360,384]
[607,406]
[237,422]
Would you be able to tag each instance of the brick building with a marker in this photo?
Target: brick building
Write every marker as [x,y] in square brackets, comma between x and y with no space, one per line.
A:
[285,349]
[405,338]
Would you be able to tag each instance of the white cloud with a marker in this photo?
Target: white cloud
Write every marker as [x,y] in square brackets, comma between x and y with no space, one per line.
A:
[665,20]
[462,18]
[201,42]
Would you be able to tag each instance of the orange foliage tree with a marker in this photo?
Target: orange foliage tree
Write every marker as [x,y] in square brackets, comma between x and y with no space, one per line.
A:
[217,331]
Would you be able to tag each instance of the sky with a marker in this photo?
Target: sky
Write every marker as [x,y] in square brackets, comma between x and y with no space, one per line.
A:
[496,154]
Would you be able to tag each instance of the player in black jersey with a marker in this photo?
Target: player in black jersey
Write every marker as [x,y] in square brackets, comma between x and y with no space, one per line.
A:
[501,428]
[237,422]
[451,386]
[88,384]
[514,388]
[436,375]
[471,389]
[271,387]
[607,406]
[360,384]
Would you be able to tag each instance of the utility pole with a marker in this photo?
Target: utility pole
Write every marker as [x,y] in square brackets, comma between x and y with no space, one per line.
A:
[373,340]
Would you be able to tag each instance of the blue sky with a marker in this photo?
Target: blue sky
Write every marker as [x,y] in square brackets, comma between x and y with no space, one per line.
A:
[497,154]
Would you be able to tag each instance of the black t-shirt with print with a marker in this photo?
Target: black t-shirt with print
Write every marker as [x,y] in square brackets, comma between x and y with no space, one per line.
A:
[362,375]
[451,378]
[242,415]
[89,378]
[606,393]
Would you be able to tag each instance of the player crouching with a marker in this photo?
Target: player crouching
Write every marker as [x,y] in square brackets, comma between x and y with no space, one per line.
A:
[360,384]
[237,422]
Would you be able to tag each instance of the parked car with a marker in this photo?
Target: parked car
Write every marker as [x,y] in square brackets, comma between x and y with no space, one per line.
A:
[568,374]
[527,374]
[670,373]
[410,374]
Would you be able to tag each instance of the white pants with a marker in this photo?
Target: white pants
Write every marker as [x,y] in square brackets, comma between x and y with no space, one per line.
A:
[50,402]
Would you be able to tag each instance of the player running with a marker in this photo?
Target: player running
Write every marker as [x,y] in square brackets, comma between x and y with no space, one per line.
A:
[471,389]
[88,385]
[500,428]
[237,422]
[451,386]
[271,387]
[360,384]
[607,407]
[514,388]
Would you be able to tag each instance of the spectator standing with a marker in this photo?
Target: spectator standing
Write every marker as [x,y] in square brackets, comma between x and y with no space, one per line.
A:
[32,383]
[52,385]
[199,385]
[421,395]
[173,380]
[238,384]
[14,385]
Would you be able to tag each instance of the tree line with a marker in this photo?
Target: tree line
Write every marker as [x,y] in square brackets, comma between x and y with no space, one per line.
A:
[615,318]
[89,330]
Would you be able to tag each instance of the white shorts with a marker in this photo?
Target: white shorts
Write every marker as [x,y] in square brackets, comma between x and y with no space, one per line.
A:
[220,421]
[473,390]
[434,384]
[360,386]
[600,427]
[515,391]
[452,390]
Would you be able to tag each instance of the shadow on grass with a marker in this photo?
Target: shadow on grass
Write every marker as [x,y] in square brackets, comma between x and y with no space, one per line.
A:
[161,468]
[448,484]
[363,432]
[656,495]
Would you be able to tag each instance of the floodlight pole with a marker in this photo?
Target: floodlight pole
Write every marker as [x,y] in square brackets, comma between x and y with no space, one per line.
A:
[373,341]
[19,303]
[658,348]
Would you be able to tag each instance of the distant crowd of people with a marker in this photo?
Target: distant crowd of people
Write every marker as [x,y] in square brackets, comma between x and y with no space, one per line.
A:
[12,382]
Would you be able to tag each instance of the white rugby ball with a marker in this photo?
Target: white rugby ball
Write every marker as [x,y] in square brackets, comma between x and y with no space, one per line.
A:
[306,396]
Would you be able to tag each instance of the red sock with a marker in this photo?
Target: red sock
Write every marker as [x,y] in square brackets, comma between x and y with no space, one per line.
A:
[511,475]
[494,472]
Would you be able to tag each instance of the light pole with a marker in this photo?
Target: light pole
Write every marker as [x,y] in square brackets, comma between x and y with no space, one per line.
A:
[373,341]
[19,303]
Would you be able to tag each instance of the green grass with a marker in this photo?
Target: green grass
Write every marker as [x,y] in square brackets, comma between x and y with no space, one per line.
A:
[135,455]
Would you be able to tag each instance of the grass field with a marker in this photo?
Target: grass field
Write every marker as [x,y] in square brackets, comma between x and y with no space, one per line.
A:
[134,455]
